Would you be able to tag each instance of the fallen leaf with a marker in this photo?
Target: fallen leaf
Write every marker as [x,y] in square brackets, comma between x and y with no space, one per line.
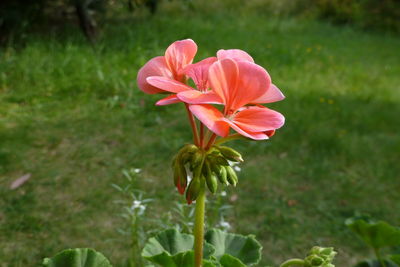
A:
[20,181]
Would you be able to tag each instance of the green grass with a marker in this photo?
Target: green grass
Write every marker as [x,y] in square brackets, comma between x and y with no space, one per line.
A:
[74,118]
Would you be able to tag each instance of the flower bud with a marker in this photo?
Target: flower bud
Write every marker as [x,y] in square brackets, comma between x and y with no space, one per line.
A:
[186,157]
[196,159]
[206,170]
[220,172]
[180,177]
[230,153]
[220,160]
[185,154]
[223,176]
[193,190]
[190,148]
[231,176]
[212,183]
[213,151]
[313,260]
[320,257]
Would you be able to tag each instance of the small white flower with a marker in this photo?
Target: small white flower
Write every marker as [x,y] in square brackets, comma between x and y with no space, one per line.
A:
[224,224]
[137,205]
[223,193]
[237,168]
[137,170]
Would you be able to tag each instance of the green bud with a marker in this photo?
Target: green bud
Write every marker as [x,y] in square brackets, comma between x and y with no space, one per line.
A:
[206,171]
[320,257]
[180,177]
[223,176]
[185,153]
[314,260]
[219,160]
[196,159]
[214,167]
[211,179]
[190,148]
[213,151]
[212,183]
[231,175]
[220,172]
[173,161]
[186,157]
[193,190]
[230,153]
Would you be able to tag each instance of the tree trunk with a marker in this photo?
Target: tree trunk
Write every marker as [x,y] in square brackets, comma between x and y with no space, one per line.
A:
[86,22]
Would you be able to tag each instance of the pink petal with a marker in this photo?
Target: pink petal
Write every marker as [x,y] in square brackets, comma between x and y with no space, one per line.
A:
[273,94]
[199,72]
[235,54]
[197,97]
[172,99]
[248,134]
[167,84]
[154,67]
[178,55]
[212,118]
[254,81]
[258,119]
[223,78]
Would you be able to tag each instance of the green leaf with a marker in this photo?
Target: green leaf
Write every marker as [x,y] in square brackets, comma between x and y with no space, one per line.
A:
[212,262]
[184,258]
[376,234]
[246,249]
[170,248]
[229,261]
[375,263]
[78,257]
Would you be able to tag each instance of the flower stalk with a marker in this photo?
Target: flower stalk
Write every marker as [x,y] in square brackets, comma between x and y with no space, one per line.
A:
[199,227]
[193,126]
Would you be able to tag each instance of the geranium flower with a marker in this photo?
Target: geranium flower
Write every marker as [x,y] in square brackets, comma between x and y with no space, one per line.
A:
[177,56]
[239,83]
[271,95]
[235,54]
[198,72]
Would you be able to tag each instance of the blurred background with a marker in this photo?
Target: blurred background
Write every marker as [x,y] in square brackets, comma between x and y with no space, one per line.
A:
[73,122]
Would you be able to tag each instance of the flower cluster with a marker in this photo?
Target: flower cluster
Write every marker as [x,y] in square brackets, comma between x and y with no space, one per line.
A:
[320,257]
[227,93]
[231,81]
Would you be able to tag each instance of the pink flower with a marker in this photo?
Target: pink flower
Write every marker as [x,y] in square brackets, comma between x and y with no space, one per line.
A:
[198,72]
[239,83]
[271,95]
[177,56]
[235,54]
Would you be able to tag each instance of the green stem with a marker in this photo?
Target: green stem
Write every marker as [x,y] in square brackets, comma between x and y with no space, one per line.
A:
[192,125]
[291,262]
[378,255]
[135,259]
[199,227]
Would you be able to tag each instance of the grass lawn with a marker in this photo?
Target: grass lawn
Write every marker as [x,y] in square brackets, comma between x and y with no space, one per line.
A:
[73,118]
